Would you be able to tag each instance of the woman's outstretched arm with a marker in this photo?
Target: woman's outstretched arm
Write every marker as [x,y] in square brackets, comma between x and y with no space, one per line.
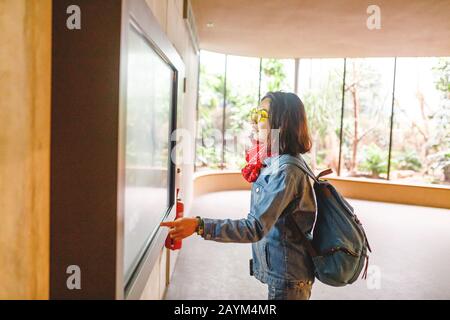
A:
[271,202]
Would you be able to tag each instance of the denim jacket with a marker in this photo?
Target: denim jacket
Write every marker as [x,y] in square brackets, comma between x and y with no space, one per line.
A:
[280,258]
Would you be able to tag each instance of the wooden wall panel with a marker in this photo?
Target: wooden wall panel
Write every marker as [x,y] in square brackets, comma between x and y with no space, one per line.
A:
[25,59]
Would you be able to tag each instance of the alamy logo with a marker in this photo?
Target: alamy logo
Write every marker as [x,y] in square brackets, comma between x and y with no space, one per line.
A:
[74,280]
[374,20]
[74,20]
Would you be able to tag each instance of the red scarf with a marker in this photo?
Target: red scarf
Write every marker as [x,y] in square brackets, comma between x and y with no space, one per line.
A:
[255,156]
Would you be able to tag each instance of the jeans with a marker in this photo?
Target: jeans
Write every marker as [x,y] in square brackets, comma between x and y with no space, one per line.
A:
[299,291]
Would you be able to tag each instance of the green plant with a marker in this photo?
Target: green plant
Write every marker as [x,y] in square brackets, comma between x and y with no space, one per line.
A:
[374,160]
[208,156]
[441,161]
[442,71]
[408,160]
[273,69]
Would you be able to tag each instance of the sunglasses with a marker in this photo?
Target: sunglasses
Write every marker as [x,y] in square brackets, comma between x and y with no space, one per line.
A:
[258,115]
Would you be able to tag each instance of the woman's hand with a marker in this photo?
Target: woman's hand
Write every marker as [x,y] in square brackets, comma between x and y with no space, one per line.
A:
[181,228]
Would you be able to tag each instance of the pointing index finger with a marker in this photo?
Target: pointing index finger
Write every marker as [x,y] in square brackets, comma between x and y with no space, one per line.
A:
[169,224]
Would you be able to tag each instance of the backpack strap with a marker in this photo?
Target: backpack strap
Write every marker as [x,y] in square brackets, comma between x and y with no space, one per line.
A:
[325,173]
[311,251]
[301,163]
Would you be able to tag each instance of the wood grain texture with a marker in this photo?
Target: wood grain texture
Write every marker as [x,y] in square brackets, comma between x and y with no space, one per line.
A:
[25,60]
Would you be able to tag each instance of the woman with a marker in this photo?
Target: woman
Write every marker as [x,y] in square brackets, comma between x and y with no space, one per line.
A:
[280,258]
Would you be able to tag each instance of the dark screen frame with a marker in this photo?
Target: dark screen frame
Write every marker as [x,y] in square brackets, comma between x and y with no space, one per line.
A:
[138,18]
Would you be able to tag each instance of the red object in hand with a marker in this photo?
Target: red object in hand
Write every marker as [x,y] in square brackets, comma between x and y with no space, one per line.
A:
[170,243]
[254,156]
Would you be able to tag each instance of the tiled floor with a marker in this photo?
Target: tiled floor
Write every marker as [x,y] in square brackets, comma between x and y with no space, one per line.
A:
[411,255]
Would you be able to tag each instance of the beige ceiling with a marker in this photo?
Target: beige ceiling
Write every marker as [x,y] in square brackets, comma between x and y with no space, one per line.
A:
[323,28]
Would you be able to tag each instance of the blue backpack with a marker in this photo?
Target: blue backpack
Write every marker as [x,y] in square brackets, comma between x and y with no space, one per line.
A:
[338,244]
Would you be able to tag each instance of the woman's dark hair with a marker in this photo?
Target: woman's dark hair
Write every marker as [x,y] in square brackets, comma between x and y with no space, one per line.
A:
[287,113]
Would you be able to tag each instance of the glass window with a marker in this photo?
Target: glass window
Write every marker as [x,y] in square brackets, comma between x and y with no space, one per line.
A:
[242,95]
[421,119]
[148,115]
[210,111]
[421,133]
[367,115]
[320,89]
